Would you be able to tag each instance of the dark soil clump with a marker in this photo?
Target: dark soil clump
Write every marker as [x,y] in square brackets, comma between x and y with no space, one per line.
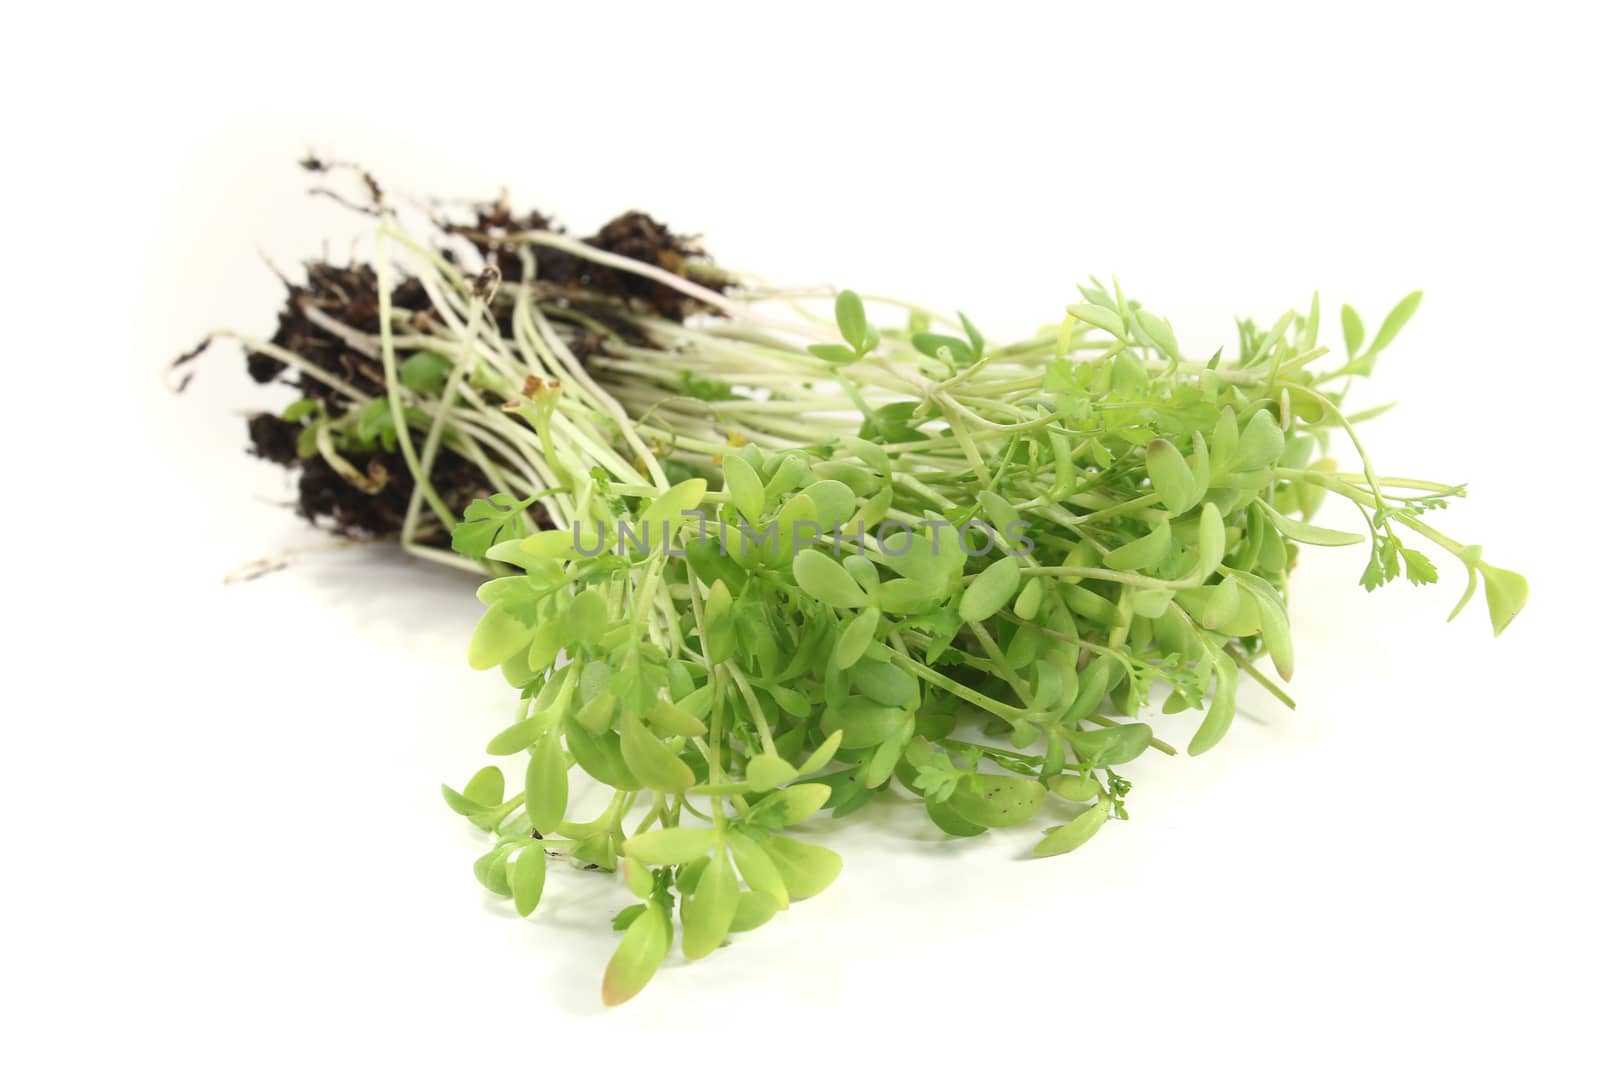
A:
[373,505]
[273,439]
[349,295]
[637,236]
[326,498]
[633,234]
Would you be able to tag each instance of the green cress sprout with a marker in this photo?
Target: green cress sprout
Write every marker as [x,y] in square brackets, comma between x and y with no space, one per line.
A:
[1143,512]
[882,560]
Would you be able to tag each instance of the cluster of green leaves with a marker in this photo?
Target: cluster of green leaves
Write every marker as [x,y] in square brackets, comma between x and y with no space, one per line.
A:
[773,659]
[860,336]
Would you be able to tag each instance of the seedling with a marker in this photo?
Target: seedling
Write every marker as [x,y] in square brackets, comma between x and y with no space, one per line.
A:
[886,559]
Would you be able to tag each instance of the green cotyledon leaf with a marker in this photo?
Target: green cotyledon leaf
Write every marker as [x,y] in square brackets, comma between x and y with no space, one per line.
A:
[806,869]
[545,788]
[827,580]
[992,590]
[1354,332]
[1306,533]
[1104,318]
[823,754]
[587,617]
[527,879]
[600,755]
[639,879]
[766,772]
[753,910]
[1080,789]
[856,639]
[1219,716]
[1159,331]
[835,502]
[997,800]
[834,353]
[944,816]
[644,945]
[1174,482]
[497,638]
[515,737]
[1221,605]
[744,486]
[1144,552]
[487,787]
[759,869]
[1111,745]
[1274,622]
[1260,442]
[851,317]
[803,800]
[1507,593]
[677,844]
[1390,328]
[668,718]
[1070,835]
[490,870]
[1211,544]
[1030,599]
[708,912]
[651,761]
[885,683]
[670,505]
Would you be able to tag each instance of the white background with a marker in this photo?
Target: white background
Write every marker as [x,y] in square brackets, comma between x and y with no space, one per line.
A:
[222,829]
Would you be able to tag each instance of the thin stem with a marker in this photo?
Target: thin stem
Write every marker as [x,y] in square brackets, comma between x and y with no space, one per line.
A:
[391,379]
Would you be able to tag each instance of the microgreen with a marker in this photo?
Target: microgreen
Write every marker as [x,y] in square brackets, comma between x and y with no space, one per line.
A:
[883,561]
[1141,517]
